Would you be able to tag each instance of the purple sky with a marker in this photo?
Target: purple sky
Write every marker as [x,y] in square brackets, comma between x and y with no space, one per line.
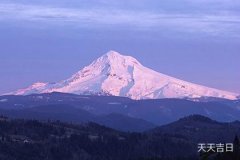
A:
[49,41]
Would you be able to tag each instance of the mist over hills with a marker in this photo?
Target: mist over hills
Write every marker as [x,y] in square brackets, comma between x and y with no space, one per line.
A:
[133,115]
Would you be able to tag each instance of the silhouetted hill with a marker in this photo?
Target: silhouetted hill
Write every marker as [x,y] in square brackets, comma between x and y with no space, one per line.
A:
[197,129]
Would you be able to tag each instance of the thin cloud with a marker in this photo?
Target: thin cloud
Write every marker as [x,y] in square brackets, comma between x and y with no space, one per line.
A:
[222,23]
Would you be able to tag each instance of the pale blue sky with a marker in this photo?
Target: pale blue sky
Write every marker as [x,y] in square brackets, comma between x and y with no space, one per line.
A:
[42,40]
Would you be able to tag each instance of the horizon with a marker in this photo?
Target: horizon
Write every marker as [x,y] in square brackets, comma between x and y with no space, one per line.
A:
[44,41]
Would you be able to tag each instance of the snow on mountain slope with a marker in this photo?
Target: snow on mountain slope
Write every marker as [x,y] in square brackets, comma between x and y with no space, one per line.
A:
[118,75]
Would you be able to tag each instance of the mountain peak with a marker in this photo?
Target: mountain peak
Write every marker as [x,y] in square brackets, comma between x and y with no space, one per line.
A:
[111,56]
[114,58]
[120,75]
[113,53]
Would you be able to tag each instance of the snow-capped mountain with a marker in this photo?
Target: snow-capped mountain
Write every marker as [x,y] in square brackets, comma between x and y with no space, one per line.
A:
[118,75]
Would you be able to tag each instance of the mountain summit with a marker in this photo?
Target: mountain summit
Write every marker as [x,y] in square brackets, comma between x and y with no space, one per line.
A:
[119,75]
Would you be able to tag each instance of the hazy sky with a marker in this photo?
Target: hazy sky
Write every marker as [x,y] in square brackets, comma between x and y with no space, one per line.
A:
[194,40]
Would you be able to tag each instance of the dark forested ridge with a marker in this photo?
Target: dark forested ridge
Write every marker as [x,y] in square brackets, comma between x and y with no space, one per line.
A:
[30,140]
[53,140]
